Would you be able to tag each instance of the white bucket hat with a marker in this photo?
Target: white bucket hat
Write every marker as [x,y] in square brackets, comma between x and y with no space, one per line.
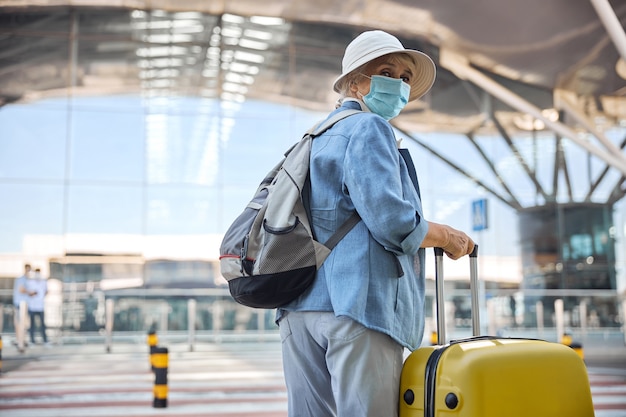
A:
[376,43]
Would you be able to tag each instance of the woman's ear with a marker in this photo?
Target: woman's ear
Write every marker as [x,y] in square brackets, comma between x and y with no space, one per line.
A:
[353,87]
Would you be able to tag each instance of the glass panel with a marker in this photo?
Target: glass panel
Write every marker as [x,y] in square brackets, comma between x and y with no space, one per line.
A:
[181,210]
[141,142]
[108,139]
[32,140]
[29,213]
[105,209]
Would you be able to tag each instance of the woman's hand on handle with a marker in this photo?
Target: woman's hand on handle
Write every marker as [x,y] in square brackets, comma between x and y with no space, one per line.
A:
[454,243]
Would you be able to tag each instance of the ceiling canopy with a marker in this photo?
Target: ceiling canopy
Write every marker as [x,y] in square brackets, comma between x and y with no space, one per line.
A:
[503,65]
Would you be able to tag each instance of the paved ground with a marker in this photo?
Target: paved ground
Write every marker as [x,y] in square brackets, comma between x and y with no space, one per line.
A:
[215,379]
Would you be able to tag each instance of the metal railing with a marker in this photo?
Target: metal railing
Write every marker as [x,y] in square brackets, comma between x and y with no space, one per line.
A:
[189,316]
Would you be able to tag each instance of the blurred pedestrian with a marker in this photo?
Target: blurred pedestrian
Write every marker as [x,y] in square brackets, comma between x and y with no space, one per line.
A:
[20,293]
[37,287]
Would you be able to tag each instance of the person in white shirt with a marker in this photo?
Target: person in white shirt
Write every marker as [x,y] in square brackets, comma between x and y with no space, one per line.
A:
[37,288]
[20,293]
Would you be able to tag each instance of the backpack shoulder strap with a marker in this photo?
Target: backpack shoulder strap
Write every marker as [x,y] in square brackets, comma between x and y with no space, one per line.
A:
[343,230]
[317,130]
[323,126]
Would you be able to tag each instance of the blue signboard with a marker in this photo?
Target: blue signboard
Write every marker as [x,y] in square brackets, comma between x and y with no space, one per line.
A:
[479,214]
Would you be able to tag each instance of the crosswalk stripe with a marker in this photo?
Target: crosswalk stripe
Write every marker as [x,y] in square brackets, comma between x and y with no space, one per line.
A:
[608,391]
[229,381]
[220,381]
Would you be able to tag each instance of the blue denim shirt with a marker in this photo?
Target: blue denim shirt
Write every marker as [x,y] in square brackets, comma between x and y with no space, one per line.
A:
[375,274]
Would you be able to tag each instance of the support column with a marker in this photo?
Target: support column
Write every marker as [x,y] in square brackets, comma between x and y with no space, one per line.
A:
[191,323]
[108,323]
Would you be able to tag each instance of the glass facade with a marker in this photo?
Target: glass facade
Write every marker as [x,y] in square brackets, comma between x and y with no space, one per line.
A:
[120,192]
[569,247]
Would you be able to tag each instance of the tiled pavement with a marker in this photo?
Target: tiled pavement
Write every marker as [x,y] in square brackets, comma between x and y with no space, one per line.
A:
[215,379]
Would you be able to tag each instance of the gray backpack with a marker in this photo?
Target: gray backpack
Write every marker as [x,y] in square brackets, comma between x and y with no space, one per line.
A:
[269,255]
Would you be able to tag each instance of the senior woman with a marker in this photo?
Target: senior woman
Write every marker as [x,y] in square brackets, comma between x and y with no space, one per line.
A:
[343,339]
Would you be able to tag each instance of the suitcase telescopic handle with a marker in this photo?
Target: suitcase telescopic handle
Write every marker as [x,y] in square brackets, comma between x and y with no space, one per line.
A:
[439,299]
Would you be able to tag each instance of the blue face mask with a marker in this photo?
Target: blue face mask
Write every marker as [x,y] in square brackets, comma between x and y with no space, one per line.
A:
[387,96]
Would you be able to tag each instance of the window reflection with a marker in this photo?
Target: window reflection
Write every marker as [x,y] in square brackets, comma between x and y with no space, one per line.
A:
[143,161]
[568,247]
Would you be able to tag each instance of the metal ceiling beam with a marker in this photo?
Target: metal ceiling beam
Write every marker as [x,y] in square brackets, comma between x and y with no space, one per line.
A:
[612,25]
[25,64]
[565,171]
[461,68]
[518,155]
[564,104]
[558,155]
[618,192]
[513,204]
[605,171]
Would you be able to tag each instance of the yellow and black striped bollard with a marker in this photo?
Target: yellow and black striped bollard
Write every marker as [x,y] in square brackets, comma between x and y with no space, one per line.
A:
[160,361]
[153,340]
[578,347]
[434,340]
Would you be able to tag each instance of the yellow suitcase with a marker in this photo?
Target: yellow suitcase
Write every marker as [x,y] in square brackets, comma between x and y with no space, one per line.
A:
[486,376]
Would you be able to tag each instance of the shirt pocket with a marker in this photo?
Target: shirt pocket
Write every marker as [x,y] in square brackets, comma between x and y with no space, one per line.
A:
[324,222]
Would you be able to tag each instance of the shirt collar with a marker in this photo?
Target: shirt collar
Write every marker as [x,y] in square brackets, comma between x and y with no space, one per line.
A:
[347,102]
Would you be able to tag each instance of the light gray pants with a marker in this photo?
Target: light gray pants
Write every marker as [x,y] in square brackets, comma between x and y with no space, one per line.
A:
[335,367]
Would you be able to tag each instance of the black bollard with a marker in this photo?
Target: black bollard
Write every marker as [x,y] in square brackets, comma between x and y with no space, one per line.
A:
[160,362]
